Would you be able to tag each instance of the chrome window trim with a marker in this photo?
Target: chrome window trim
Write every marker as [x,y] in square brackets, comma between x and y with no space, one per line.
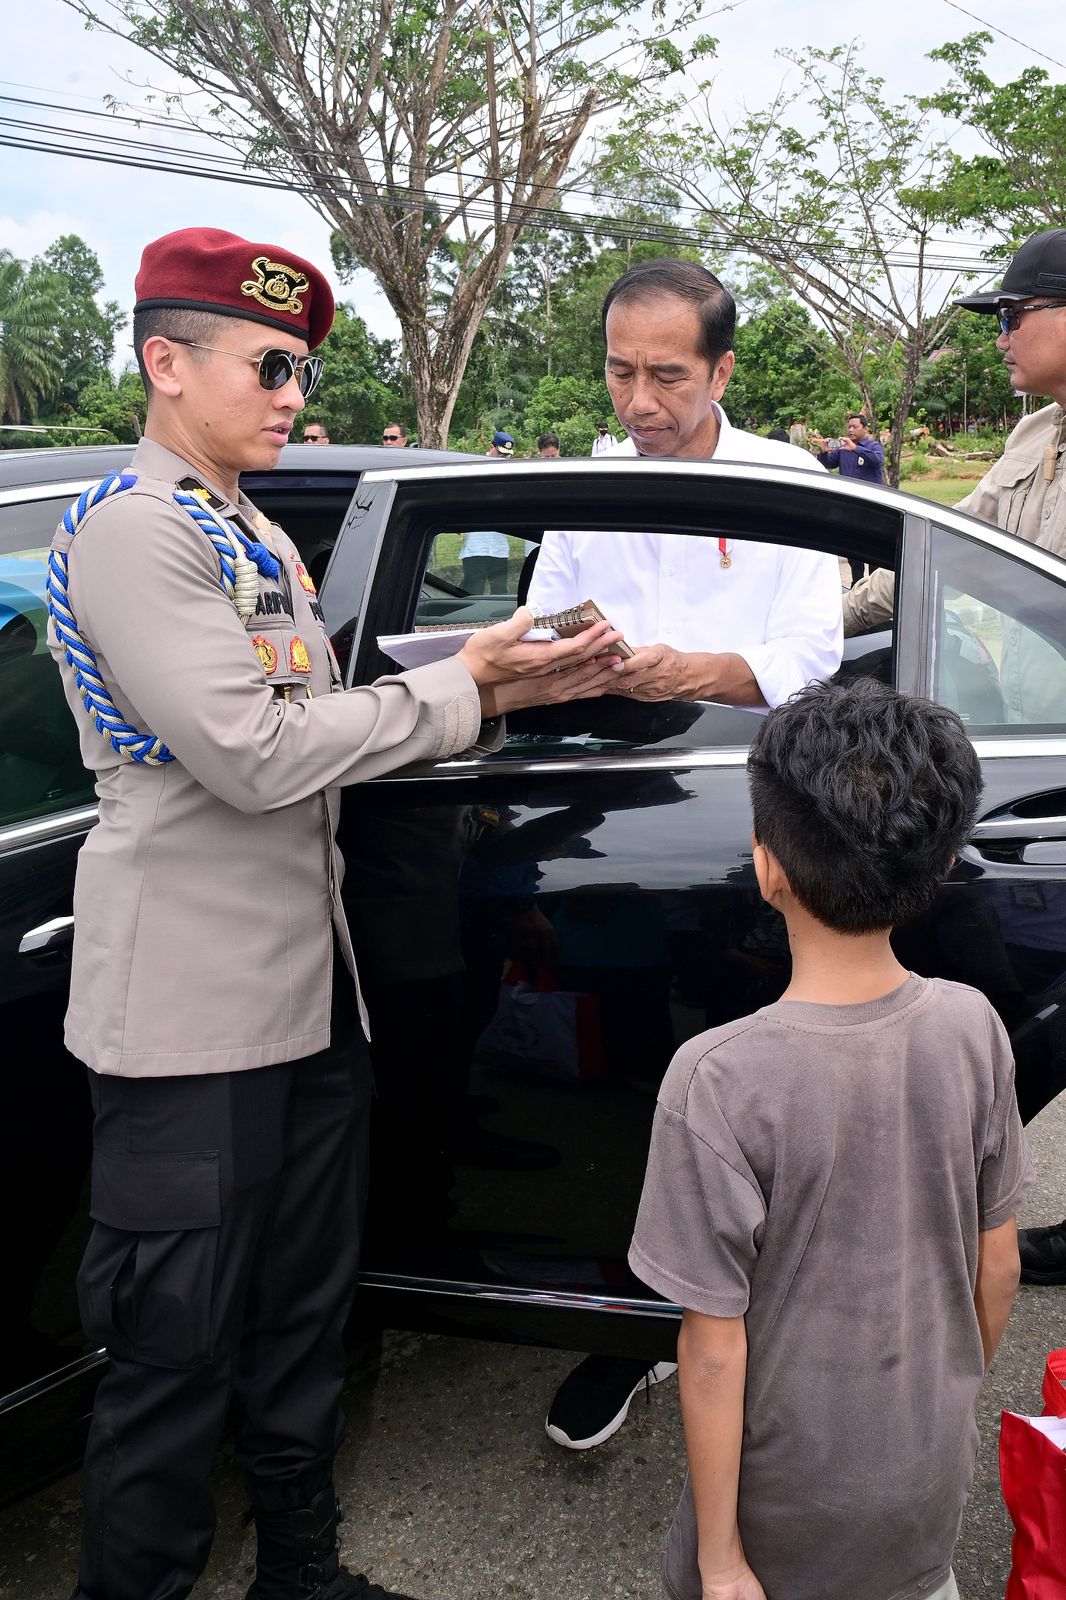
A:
[957,522]
[513,1294]
[67,489]
[42,829]
[988,749]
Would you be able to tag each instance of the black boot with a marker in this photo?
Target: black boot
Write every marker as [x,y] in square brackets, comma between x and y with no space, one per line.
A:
[296,1557]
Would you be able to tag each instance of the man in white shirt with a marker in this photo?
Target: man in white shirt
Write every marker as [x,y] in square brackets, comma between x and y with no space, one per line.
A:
[747,624]
[604,440]
[743,623]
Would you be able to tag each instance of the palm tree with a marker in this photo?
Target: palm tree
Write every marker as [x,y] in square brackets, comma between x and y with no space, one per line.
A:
[29,364]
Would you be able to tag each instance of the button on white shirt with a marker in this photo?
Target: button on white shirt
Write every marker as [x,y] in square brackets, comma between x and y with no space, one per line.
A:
[776,606]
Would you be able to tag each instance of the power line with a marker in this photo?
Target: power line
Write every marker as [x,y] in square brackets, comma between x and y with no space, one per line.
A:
[119,151]
[1033,51]
[238,162]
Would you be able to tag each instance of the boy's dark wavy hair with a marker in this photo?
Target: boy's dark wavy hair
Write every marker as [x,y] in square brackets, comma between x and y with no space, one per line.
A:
[864,796]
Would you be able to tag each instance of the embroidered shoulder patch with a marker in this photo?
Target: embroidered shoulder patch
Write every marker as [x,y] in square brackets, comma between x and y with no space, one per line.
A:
[299,660]
[266,653]
[305,578]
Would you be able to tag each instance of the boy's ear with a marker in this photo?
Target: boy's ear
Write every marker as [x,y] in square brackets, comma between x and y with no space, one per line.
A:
[768,873]
[762,866]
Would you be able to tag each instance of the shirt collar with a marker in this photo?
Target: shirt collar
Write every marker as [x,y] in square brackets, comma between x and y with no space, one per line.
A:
[725,429]
[154,460]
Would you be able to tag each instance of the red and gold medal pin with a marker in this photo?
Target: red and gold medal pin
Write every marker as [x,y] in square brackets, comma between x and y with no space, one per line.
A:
[299,660]
[305,578]
[266,653]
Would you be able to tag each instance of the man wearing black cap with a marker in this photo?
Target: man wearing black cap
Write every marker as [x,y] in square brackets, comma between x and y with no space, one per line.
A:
[212,994]
[1025,492]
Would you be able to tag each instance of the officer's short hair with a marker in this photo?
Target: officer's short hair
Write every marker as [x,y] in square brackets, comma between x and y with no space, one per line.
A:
[686,280]
[857,416]
[865,796]
[546,440]
[175,322]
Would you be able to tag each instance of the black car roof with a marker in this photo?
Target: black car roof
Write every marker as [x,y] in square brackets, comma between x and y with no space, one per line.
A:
[23,468]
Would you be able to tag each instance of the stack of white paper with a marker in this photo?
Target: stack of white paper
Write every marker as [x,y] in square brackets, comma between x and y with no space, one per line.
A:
[418,649]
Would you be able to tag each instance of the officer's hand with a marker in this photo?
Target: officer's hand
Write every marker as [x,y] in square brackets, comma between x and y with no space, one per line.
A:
[497,655]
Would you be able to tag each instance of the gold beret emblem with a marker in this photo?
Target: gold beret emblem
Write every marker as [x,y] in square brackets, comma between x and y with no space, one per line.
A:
[276,286]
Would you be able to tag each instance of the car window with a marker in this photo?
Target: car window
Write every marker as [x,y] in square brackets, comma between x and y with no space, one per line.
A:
[475,576]
[998,639]
[310,511]
[40,764]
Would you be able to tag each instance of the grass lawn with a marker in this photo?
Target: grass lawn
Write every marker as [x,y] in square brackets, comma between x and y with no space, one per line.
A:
[945,491]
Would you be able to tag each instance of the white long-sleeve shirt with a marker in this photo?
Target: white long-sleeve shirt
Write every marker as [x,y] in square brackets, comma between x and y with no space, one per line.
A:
[778,607]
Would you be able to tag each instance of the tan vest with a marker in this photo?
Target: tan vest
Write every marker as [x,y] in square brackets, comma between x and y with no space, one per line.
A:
[205,893]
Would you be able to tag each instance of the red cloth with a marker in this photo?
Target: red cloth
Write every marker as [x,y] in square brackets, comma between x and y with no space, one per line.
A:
[1033,1473]
[206,269]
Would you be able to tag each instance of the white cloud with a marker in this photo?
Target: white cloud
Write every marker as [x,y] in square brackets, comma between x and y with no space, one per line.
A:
[33,234]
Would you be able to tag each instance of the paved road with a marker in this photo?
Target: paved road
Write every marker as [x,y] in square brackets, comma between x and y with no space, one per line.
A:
[455,1493]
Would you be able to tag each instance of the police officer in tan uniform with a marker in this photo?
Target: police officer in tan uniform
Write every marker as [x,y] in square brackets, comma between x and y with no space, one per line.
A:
[212,992]
[1024,492]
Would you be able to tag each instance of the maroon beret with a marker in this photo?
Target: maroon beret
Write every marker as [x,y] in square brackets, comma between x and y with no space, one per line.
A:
[206,269]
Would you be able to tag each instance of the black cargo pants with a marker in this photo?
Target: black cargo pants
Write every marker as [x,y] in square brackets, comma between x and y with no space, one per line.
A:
[228,1209]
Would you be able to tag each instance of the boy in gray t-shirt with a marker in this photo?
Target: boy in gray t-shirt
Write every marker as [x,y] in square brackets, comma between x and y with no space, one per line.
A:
[832,1187]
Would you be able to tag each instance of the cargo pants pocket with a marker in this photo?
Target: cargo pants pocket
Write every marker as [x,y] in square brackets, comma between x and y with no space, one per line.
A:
[146,1287]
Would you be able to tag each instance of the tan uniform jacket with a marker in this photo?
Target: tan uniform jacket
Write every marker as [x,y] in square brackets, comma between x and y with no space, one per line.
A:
[1024,493]
[205,893]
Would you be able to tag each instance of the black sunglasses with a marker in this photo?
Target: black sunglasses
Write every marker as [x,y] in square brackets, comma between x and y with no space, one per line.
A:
[391,438]
[276,367]
[1008,316]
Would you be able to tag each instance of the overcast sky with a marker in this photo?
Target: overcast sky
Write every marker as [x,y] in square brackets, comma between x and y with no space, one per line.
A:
[116,210]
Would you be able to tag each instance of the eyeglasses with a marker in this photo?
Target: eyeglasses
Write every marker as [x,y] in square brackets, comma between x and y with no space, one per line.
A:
[276,367]
[391,438]
[1008,315]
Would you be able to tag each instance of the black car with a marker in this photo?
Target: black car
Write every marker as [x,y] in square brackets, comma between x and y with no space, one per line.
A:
[539,928]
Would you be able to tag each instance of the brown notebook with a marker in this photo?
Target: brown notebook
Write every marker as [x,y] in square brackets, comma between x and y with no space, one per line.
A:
[568,624]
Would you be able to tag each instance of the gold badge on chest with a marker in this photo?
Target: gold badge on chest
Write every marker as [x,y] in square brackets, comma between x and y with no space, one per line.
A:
[299,660]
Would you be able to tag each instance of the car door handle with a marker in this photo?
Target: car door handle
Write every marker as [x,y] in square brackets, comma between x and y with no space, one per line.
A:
[50,935]
[1014,829]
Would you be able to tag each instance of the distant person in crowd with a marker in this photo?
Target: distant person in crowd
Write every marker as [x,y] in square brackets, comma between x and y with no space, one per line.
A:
[797,434]
[1025,493]
[604,440]
[709,619]
[858,455]
[315,433]
[394,436]
[780,435]
[484,553]
[831,1453]
[548,446]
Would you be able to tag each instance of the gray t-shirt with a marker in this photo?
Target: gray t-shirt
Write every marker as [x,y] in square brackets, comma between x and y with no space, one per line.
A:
[825,1171]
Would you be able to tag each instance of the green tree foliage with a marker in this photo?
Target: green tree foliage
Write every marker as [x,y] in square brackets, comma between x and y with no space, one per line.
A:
[1020,187]
[107,411]
[785,370]
[359,391]
[84,330]
[966,380]
[429,137]
[826,186]
[30,368]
